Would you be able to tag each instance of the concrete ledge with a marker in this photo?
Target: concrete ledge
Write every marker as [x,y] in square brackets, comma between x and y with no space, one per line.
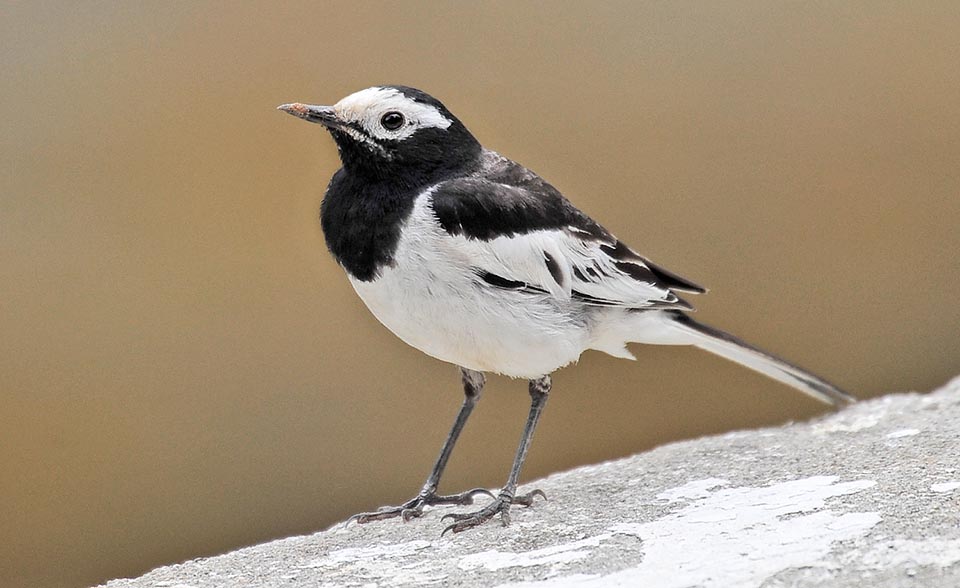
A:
[866,497]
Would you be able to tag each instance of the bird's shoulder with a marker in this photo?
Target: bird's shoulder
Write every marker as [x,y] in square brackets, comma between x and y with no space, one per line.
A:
[503,198]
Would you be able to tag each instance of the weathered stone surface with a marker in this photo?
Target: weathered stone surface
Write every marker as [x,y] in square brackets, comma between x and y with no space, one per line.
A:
[866,497]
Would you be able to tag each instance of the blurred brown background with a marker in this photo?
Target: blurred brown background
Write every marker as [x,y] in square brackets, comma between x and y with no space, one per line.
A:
[184,370]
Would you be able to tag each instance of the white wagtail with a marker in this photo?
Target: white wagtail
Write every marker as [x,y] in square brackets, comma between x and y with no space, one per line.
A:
[477,261]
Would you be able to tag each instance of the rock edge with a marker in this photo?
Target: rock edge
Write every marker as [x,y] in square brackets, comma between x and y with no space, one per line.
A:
[867,496]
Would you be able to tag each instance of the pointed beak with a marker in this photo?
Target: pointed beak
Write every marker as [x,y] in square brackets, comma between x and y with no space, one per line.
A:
[315,114]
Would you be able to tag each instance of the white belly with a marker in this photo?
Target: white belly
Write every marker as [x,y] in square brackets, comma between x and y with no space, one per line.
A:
[464,325]
[432,301]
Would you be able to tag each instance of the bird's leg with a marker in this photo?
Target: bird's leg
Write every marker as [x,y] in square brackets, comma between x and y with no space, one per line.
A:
[539,390]
[472,388]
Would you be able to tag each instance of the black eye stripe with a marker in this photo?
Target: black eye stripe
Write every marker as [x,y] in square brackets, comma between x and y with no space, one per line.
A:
[392,120]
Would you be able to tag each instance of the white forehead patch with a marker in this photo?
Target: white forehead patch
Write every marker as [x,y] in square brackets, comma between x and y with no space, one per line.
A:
[367,107]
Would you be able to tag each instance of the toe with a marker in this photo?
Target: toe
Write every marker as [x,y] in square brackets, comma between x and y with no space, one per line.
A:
[527,499]
[463,499]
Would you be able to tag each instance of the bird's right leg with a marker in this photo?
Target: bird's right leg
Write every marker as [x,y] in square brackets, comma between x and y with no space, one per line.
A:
[472,388]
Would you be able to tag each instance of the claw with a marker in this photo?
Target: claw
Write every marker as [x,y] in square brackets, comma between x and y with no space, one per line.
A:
[413,509]
[454,516]
[408,514]
[354,519]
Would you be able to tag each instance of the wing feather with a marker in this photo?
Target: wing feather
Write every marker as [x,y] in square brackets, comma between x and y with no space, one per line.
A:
[511,226]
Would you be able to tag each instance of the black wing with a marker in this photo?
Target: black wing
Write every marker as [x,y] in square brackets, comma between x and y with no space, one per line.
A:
[520,233]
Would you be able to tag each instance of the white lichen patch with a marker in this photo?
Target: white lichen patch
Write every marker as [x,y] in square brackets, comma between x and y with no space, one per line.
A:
[692,490]
[355,554]
[945,486]
[915,552]
[849,422]
[400,563]
[903,433]
[736,537]
[558,554]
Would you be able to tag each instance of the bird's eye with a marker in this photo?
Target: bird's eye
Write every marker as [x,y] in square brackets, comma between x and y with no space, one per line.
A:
[392,120]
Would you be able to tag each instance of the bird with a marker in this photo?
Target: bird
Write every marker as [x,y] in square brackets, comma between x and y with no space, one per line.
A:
[477,261]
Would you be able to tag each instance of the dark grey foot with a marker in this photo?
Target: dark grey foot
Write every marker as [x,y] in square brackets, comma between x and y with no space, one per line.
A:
[414,508]
[501,505]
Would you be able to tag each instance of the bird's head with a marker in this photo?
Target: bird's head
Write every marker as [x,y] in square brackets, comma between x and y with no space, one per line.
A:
[394,132]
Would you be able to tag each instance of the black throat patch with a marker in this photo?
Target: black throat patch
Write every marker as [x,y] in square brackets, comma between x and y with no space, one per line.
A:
[361,223]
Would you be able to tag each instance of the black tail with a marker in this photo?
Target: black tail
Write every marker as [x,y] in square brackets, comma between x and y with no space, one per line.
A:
[729,347]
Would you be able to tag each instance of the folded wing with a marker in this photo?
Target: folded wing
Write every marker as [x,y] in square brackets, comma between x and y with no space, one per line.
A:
[518,232]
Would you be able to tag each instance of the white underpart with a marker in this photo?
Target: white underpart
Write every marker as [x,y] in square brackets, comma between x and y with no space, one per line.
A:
[433,299]
[367,107]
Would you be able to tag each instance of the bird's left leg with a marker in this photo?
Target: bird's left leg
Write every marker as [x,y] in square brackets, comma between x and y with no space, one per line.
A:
[539,390]
[473,383]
